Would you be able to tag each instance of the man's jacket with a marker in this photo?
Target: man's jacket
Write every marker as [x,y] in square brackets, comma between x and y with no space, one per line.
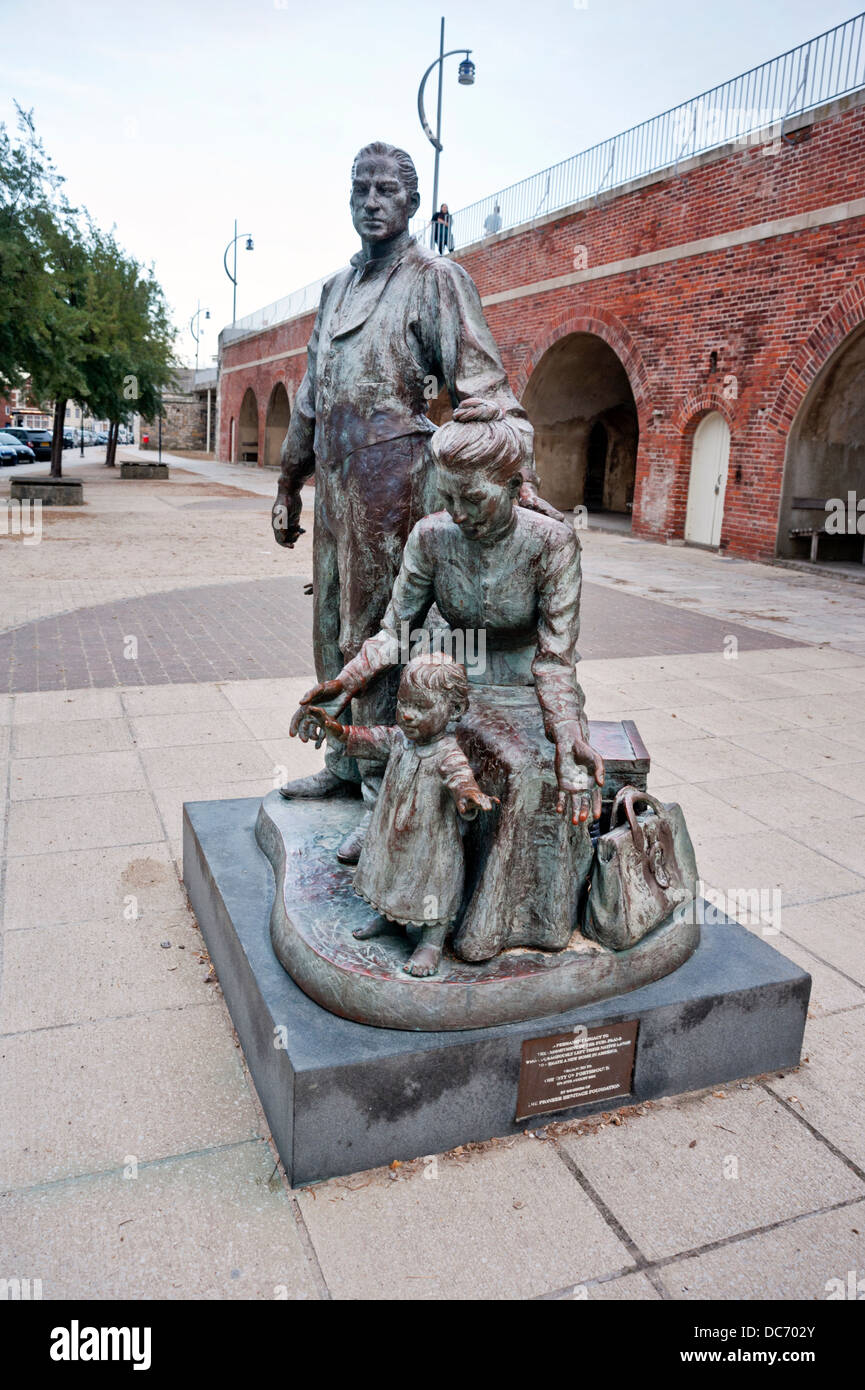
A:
[388,335]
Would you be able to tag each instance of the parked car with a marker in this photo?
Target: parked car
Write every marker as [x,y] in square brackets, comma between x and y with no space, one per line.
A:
[38,440]
[23,452]
[102,437]
[68,441]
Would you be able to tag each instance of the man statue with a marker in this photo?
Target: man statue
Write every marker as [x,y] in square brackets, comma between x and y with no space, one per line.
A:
[391,330]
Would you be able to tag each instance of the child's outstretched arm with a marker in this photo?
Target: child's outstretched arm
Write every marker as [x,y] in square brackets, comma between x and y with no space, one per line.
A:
[460,782]
[325,724]
[358,741]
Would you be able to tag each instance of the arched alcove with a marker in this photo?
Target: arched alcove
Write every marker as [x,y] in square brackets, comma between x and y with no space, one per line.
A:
[826,456]
[580,401]
[276,425]
[247,440]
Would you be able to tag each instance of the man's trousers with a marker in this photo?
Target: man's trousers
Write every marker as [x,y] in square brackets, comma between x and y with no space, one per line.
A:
[365,507]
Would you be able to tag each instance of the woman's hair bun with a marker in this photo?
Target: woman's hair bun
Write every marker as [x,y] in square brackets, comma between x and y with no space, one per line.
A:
[473,410]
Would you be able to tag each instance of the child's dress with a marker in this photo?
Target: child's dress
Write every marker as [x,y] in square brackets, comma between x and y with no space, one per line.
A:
[411,867]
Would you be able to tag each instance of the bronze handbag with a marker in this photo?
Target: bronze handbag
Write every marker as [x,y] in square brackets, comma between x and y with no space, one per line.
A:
[642,871]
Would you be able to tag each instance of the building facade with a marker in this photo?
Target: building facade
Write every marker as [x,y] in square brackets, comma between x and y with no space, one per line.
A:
[690,345]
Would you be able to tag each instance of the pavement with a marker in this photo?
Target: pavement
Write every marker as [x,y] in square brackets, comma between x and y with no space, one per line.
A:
[153,645]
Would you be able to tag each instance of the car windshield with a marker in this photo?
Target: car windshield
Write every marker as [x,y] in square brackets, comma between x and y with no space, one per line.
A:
[9,439]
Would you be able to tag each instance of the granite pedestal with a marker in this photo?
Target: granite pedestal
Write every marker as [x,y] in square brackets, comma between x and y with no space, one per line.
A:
[51,492]
[343,1096]
[144,470]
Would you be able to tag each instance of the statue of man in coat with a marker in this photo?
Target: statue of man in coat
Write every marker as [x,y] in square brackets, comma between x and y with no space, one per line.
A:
[393,328]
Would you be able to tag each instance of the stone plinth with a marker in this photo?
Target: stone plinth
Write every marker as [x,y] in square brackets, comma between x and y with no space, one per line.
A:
[343,1096]
[51,492]
[144,470]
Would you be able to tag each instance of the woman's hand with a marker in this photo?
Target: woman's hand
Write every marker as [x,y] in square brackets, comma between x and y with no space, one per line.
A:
[304,723]
[580,775]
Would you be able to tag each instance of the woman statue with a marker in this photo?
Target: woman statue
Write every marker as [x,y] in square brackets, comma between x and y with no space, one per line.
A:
[512,575]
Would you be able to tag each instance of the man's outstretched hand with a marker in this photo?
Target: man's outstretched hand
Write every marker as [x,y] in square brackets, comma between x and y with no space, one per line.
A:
[306,721]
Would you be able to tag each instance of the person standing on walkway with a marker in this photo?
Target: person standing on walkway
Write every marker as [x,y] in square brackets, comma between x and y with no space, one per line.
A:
[394,328]
[442,234]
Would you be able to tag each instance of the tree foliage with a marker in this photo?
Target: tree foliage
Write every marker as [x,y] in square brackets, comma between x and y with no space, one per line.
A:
[78,316]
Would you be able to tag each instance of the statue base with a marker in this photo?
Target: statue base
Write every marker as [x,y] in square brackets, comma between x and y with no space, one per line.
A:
[342,1096]
[316,909]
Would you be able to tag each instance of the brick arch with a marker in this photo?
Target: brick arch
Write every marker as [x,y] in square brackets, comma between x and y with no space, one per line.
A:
[846,315]
[605,325]
[689,415]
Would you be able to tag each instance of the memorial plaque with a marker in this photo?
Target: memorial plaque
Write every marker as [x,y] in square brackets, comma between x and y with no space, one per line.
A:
[573,1068]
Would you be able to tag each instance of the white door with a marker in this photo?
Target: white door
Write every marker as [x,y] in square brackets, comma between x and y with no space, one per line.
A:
[710,456]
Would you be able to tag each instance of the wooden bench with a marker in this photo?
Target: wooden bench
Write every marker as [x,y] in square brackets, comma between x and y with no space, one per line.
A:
[847,540]
[815,530]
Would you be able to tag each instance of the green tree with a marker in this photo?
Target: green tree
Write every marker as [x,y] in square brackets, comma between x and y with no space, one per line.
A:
[78,316]
[129,347]
[41,260]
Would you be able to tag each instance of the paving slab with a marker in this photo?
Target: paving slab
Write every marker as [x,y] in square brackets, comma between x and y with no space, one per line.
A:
[770,859]
[100,969]
[190,727]
[707,759]
[38,707]
[510,1223]
[831,991]
[80,1099]
[822,1090]
[61,823]
[786,800]
[834,930]
[206,1226]
[169,800]
[50,739]
[702,1168]
[172,699]
[76,774]
[180,767]
[841,839]
[806,1259]
[72,887]
[629,1288]
[727,718]
[706,815]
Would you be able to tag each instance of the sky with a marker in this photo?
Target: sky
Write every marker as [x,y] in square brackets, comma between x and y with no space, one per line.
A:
[170,120]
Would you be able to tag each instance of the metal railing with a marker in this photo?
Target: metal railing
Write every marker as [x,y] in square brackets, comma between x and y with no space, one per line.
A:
[763,99]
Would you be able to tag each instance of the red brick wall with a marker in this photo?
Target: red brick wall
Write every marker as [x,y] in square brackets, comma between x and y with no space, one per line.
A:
[773,310]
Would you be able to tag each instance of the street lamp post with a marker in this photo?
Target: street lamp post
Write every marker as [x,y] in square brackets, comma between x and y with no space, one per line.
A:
[233,278]
[194,329]
[466,79]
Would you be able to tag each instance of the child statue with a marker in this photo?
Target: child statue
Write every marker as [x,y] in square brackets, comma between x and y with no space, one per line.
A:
[411,867]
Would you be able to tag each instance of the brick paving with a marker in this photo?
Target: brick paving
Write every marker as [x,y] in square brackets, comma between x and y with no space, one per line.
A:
[259,628]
